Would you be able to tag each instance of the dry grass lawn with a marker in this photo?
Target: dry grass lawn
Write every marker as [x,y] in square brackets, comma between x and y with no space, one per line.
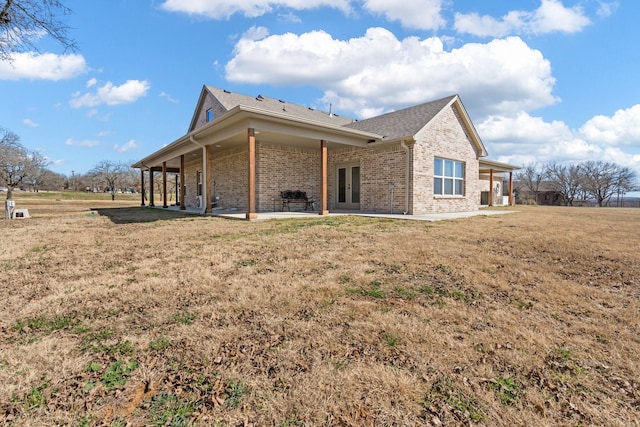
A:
[134,316]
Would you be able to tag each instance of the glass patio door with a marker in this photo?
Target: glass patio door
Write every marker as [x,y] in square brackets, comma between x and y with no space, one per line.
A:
[348,187]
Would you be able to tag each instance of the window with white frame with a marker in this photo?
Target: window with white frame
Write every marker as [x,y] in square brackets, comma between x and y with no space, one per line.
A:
[199,183]
[448,177]
[209,115]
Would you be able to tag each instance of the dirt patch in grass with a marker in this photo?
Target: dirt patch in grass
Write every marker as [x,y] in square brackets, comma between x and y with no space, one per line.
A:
[138,316]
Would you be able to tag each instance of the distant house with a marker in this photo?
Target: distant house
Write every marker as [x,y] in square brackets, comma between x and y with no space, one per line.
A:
[241,152]
[547,194]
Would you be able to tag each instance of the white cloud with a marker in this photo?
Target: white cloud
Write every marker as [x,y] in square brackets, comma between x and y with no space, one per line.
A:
[125,147]
[417,14]
[521,139]
[377,72]
[224,9]
[290,17]
[30,123]
[109,94]
[83,143]
[163,94]
[607,8]
[46,66]
[623,128]
[92,82]
[551,16]
[103,133]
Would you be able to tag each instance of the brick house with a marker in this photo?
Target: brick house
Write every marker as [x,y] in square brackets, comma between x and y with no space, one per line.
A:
[241,152]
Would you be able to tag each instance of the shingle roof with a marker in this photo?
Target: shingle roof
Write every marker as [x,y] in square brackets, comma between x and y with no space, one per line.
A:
[229,100]
[402,123]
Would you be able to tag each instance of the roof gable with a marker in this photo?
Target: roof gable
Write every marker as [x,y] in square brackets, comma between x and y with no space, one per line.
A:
[228,100]
[403,123]
[206,101]
[406,123]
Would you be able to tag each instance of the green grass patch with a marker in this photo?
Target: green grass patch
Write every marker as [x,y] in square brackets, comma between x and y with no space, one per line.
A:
[245,263]
[185,318]
[36,397]
[170,410]
[391,340]
[116,375]
[507,389]
[405,293]
[160,344]
[47,324]
[443,392]
[235,391]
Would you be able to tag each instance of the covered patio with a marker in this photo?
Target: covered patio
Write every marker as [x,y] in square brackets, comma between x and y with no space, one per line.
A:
[223,155]
[489,170]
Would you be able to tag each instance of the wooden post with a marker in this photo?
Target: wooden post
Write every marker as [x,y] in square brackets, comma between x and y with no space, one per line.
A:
[151,189]
[251,189]
[142,187]
[511,188]
[491,187]
[183,205]
[164,185]
[323,178]
[208,178]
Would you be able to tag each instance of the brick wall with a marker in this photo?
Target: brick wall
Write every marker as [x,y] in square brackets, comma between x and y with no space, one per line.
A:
[281,168]
[445,136]
[231,175]
[208,103]
[379,167]
[229,180]
[191,166]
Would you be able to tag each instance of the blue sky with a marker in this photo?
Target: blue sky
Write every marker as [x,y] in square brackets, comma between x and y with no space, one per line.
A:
[543,80]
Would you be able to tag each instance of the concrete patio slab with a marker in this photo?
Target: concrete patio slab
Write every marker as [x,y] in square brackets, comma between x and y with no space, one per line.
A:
[263,216]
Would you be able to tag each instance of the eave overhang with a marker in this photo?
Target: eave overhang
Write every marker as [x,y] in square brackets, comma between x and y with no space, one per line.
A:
[487,166]
[240,118]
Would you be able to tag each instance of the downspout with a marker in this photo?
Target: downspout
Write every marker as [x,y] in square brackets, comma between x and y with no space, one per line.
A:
[406,173]
[204,174]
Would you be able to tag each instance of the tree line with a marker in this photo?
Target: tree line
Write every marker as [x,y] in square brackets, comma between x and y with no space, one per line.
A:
[25,169]
[594,180]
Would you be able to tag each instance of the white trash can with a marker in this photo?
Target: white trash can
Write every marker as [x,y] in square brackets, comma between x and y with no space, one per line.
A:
[9,207]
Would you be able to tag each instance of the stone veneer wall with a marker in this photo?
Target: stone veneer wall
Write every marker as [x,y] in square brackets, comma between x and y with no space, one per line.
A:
[379,167]
[444,137]
[280,168]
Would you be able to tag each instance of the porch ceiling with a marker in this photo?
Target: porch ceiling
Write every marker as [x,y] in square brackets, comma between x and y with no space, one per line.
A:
[486,166]
[240,140]
[230,131]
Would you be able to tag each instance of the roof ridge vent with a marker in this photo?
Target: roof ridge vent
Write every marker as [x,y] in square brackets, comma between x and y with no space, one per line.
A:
[259,97]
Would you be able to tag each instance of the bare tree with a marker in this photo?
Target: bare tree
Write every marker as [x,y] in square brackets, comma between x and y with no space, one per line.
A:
[530,177]
[131,177]
[110,173]
[565,180]
[23,22]
[18,165]
[49,180]
[604,179]
[626,181]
